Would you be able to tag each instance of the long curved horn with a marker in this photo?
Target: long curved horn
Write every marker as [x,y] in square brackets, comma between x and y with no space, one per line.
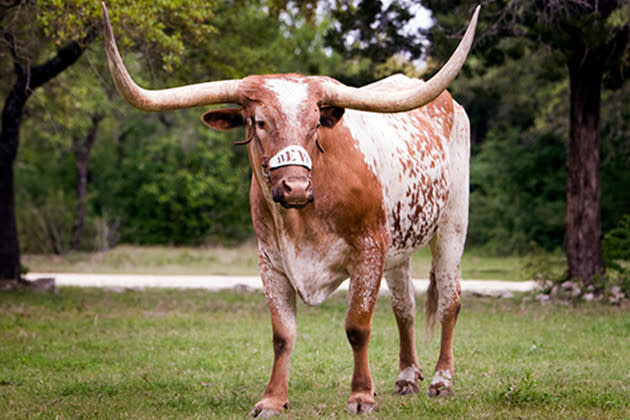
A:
[403,100]
[165,99]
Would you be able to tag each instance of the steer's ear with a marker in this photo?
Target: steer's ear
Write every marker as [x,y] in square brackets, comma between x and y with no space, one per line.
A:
[330,115]
[223,119]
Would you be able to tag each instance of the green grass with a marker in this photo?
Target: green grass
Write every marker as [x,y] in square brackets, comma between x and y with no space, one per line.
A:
[151,260]
[242,261]
[90,353]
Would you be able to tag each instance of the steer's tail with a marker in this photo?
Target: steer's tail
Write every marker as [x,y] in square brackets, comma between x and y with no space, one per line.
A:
[431,308]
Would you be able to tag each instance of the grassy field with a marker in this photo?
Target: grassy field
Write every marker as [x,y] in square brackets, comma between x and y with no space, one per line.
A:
[243,261]
[90,353]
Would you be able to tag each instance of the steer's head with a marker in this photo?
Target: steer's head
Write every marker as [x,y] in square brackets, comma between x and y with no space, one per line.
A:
[282,114]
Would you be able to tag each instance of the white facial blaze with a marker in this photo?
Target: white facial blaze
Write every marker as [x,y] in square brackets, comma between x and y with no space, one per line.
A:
[292,96]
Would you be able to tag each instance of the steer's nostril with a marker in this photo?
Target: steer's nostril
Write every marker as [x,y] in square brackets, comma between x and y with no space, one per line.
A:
[287,185]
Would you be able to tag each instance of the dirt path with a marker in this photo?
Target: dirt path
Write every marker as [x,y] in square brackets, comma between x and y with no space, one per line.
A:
[216,282]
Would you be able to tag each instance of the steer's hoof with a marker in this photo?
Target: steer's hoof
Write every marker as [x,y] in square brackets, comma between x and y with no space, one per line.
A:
[440,389]
[441,385]
[407,382]
[264,412]
[405,387]
[361,404]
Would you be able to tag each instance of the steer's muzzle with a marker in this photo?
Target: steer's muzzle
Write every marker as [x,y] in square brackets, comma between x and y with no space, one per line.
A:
[293,191]
[290,176]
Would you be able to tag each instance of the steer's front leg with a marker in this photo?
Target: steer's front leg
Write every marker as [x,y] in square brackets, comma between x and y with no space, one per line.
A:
[365,281]
[281,302]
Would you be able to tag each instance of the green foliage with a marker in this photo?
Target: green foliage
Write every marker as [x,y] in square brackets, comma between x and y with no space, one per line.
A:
[616,245]
[45,194]
[616,254]
[615,156]
[159,178]
[46,222]
[518,172]
[164,178]
[518,106]
[183,186]
[543,267]
[517,193]
[368,34]
[166,28]
[515,90]
[45,210]
[304,50]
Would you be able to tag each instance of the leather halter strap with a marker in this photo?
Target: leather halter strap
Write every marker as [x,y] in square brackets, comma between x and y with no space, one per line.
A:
[264,159]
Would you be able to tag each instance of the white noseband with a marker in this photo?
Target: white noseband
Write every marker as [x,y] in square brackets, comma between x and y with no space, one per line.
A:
[291,155]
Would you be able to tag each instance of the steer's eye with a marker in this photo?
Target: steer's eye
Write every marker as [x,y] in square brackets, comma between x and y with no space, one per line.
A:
[260,124]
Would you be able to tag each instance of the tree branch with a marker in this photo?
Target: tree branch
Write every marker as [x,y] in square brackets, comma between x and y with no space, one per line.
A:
[6,5]
[9,4]
[19,70]
[65,57]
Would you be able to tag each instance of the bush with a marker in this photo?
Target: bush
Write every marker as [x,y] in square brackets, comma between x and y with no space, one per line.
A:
[616,254]
[517,194]
[179,185]
[45,224]
[542,266]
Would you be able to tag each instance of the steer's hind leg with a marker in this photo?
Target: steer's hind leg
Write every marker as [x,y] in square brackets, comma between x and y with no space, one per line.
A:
[443,295]
[281,302]
[446,250]
[404,306]
[444,290]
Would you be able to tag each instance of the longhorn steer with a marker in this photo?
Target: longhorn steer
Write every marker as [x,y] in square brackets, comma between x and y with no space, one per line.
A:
[346,184]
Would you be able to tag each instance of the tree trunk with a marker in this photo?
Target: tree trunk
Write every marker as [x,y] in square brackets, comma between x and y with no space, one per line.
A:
[9,246]
[9,139]
[28,79]
[583,219]
[82,155]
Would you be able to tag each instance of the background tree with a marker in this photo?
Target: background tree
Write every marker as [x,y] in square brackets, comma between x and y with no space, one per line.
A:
[245,37]
[82,148]
[184,183]
[27,79]
[591,38]
[370,33]
[163,178]
[31,30]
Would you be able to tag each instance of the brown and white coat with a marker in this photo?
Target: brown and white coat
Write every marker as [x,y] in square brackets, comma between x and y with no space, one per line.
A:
[344,188]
